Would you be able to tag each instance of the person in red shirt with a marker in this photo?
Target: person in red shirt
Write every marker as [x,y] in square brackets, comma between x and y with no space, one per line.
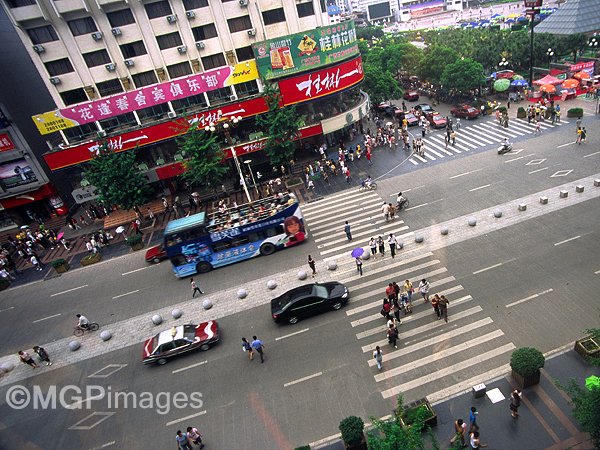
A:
[136,228]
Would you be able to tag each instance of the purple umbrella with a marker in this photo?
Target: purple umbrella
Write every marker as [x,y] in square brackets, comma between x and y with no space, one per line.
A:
[357,252]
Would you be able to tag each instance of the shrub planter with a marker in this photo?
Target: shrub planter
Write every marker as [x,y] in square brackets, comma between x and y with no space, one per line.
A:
[353,436]
[135,242]
[294,182]
[575,112]
[411,412]
[4,284]
[91,259]
[525,364]
[588,346]
[60,265]
[521,113]
[147,224]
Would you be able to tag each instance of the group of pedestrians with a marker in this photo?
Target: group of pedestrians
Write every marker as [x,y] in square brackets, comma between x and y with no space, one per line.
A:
[26,358]
[186,441]
[250,347]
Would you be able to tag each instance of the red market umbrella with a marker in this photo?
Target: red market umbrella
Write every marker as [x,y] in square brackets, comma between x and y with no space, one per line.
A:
[582,75]
[547,88]
[570,83]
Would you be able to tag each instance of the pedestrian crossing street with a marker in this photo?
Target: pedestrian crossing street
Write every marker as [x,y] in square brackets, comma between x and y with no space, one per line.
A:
[434,359]
[475,134]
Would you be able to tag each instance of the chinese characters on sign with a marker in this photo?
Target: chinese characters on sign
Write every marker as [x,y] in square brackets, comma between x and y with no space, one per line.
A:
[303,51]
[5,143]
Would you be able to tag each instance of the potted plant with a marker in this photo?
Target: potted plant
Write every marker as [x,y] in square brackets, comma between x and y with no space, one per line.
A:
[521,113]
[419,412]
[503,110]
[575,112]
[589,346]
[135,242]
[60,265]
[526,363]
[90,259]
[353,436]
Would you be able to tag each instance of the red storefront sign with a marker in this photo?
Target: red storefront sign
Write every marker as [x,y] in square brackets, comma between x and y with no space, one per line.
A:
[5,143]
[324,82]
[579,66]
[150,135]
[47,190]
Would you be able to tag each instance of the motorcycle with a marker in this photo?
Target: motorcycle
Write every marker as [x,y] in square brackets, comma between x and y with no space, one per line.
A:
[504,149]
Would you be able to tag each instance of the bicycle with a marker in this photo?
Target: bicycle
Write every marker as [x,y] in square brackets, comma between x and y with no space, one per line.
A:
[405,205]
[79,331]
[367,187]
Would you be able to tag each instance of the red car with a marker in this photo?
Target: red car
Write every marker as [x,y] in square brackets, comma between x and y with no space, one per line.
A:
[156,254]
[411,120]
[180,339]
[411,96]
[436,120]
[467,112]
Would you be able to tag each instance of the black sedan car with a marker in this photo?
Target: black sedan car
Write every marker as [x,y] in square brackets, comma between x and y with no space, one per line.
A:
[308,300]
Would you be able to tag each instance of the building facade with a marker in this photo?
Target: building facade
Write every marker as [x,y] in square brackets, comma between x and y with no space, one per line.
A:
[126,72]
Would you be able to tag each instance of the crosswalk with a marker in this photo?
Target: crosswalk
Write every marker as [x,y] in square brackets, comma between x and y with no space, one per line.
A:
[432,356]
[473,135]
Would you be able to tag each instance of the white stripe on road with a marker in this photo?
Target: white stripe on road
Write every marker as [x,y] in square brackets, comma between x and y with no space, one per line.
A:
[591,154]
[12,307]
[189,367]
[123,295]
[291,334]
[538,170]
[487,268]
[567,240]
[405,387]
[172,422]
[46,318]
[529,298]
[70,290]
[517,158]
[136,270]
[480,187]
[314,375]
[464,173]
[564,145]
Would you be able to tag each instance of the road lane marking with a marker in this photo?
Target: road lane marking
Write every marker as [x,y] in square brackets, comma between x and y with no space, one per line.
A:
[172,422]
[591,154]
[465,173]
[318,374]
[70,290]
[12,307]
[597,272]
[123,295]
[83,400]
[567,240]
[538,170]
[515,159]
[113,368]
[487,268]
[480,187]
[291,334]
[424,204]
[189,367]
[46,318]
[136,270]
[564,145]
[529,298]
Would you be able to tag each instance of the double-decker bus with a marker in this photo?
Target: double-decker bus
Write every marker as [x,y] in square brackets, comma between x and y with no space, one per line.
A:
[201,242]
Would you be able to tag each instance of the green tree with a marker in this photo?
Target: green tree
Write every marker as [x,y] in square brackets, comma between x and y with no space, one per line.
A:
[379,84]
[281,124]
[435,61]
[586,408]
[204,157]
[117,179]
[464,75]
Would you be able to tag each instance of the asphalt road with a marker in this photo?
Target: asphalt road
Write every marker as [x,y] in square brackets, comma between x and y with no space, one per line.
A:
[530,284]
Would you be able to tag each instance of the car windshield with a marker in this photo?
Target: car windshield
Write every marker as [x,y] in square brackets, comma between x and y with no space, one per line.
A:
[320,291]
[471,109]
[438,117]
[409,116]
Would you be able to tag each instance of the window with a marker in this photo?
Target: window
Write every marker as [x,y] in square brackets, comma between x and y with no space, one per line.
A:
[225,1]
[109,87]
[144,78]
[194,4]
[82,26]
[120,18]
[179,70]
[132,49]
[74,96]
[19,3]
[194,233]
[219,95]
[194,102]
[247,88]
[305,9]
[239,24]
[122,120]
[41,35]
[169,40]
[153,112]
[273,16]
[81,132]
[158,9]
[96,58]
[204,32]
[58,67]
[212,61]
[323,7]
[244,53]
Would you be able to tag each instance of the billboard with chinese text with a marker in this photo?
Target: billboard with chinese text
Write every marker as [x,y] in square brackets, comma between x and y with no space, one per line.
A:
[145,97]
[305,51]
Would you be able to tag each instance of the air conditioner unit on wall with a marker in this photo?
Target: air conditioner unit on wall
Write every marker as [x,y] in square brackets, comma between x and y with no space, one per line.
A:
[101,133]
[110,67]
[39,49]
[55,80]
[116,31]
[129,62]
[182,49]
[200,44]
[233,97]
[97,36]
[252,32]
[172,18]
[171,115]
[190,14]
[243,2]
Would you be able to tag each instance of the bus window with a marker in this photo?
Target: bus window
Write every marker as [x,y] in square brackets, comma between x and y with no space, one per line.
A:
[194,233]
[178,260]
[173,239]
[221,246]
[239,241]
[275,231]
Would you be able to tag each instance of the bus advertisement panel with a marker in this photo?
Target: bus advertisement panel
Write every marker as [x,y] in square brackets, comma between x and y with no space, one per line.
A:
[199,243]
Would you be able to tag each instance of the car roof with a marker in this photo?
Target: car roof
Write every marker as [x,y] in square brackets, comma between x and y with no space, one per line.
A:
[166,336]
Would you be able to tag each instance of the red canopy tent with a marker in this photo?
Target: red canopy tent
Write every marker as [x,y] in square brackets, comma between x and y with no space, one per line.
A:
[548,79]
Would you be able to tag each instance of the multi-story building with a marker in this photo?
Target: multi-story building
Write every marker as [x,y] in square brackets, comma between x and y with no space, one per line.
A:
[126,72]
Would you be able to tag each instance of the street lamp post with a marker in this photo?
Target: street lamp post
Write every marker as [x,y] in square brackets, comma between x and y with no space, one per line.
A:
[503,64]
[247,162]
[593,44]
[225,124]
[550,54]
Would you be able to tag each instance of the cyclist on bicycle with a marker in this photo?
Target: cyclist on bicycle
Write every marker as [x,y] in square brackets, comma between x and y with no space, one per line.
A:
[400,200]
[368,181]
[82,322]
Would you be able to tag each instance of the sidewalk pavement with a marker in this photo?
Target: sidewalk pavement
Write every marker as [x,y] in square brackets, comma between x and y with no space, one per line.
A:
[545,420]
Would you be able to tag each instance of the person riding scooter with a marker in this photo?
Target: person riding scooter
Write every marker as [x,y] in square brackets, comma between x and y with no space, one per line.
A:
[400,200]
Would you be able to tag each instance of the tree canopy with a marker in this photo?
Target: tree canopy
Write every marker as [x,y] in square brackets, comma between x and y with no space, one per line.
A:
[435,61]
[464,74]
[281,125]
[117,179]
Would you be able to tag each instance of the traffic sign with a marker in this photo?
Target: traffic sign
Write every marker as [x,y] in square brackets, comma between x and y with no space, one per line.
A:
[533,3]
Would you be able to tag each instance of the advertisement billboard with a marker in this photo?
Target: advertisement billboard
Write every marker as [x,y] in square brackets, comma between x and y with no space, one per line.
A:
[16,173]
[379,10]
[305,51]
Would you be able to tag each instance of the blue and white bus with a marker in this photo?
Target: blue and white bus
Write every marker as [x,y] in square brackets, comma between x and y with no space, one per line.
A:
[201,242]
